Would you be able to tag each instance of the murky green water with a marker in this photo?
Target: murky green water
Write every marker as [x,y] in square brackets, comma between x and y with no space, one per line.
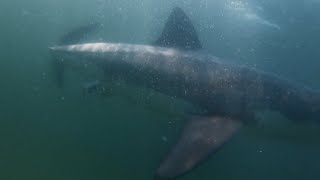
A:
[51,133]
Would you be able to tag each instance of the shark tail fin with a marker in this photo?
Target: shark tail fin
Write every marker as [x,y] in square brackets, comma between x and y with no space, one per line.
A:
[79,33]
[76,35]
[58,70]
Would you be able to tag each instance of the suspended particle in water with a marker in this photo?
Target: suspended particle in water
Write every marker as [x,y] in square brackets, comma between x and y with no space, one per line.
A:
[164,139]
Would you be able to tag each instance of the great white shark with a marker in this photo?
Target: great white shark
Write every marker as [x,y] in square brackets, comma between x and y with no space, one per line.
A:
[174,65]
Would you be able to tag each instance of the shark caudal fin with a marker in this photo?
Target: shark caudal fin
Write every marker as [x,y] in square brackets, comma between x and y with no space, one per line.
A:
[179,32]
[58,70]
[71,37]
[78,34]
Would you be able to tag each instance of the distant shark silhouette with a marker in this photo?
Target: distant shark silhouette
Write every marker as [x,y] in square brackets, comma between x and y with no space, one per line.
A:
[175,66]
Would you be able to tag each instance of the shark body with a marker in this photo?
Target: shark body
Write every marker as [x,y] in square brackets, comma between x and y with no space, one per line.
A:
[175,65]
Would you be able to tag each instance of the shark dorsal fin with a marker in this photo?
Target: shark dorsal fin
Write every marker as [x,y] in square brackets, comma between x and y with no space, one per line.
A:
[179,32]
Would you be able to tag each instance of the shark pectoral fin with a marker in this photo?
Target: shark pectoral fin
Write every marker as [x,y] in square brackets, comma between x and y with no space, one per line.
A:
[200,137]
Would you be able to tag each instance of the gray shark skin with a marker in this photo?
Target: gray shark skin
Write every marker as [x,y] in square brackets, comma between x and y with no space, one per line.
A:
[230,94]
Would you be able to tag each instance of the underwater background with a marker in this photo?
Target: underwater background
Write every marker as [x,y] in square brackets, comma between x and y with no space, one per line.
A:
[54,133]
